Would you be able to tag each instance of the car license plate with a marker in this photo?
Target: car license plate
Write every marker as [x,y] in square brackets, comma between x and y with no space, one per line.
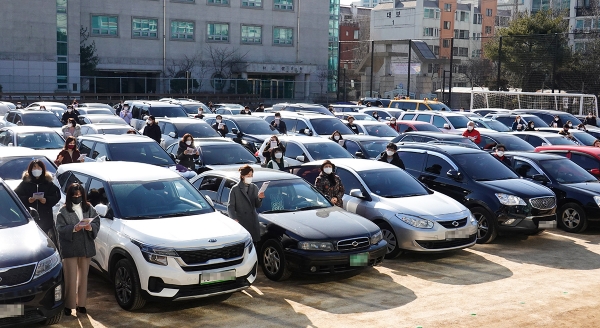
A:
[360,259]
[11,310]
[214,277]
[547,224]
[456,234]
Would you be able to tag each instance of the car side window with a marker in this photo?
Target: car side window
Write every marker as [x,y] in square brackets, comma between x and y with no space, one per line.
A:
[85,147]
[402,127]
[97,194]
[349,181]
[412,160]
[486,143]
[300,125]
[210,186]
[352,147]
[309,173]
[408,117]
[408,139]
[85,130]
[292,150]
[290,123]
[525,169]
[75,178]
[439,121]
[584,161]
[10,117]
[424,118]
[230,125]
[5,138]
[168,128]
[535,141]
[226,189]
[99,151]
[18,119]
[407,106]
[63,178]
[437,165]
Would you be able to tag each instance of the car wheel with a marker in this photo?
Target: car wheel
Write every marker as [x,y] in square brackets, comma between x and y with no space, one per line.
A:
[127,286]
[572,218]
[273,261]
[486,225]
[389,236]
[55,319]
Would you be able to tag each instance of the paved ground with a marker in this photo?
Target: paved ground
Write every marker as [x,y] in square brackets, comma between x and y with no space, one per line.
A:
[549,280]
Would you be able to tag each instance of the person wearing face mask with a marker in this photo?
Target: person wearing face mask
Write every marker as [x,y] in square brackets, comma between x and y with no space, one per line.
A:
[71,129]
[393,124]
[244,199]
[125,114]
[330,184]
[565,131]
[187,152]
[518,124]
[375,116]
[77,225]
[530,126]
[261,108]
[337,137]
[277,163]
[581,127]
[37,190]
[278,124]
[499,155]
[220,126]
[273,143]
[69,153]
[390,155]
[351,125]
[200,115]
[70,113]
[472,133]
[590,119]
[246,111]
[152,129]
[596,143]
[556,122]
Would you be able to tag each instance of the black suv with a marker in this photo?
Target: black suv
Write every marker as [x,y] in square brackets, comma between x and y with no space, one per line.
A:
[31,280]
[497,197]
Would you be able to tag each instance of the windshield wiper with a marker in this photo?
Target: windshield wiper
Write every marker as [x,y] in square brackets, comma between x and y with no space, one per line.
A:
[400,196]
[141,217]
[307,208]
[246,162]
[172,215]
[277,211]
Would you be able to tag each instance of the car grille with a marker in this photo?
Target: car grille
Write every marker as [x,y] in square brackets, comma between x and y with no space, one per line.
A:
[30,316]
[212,266]
[543,203]
[204,255]
[452,225]
[441,244]
[353,244]
[16,276]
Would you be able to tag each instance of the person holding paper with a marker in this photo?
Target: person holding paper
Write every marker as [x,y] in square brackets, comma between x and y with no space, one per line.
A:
[37,190]
[337,137]
[330,184]
[278,124]
[277,163]
[77,228]
[69,153]
[472,133]
[71,129]
[187,152]
[244,199]
[220,126]
[272,144]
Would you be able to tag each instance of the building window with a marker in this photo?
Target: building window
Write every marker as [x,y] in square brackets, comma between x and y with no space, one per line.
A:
[476,53]
[252,3]
[488,30]
[446,25]
[477,19]
[217,32]
[432,13]
[182,30]
[488,12]
[218,2]
[461,34]
[355,34]
[447,7]
[283,4]
[283,36]
[460,51]
[398,13]
[446,43]
[476,36]
[251,34]
[462,16]
[105,25]
[430,31]
[144,28]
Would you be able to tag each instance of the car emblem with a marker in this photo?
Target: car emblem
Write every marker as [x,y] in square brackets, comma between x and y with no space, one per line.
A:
[212,240]
[355,243]
[454,223]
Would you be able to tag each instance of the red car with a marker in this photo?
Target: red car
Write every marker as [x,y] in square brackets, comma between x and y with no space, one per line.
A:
[585,156]
[408,126]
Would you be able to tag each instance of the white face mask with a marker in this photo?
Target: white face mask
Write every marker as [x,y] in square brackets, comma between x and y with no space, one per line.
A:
[70,110]
[470,128]
[218,121]
[36,173]
[188,142]
[199,111]
[532,126]
[336,137]
[248,180]
[570,125]
[556,119]
[277,119]
[500,153]
[278,155]
[389,152]
[148,122]
[328,170]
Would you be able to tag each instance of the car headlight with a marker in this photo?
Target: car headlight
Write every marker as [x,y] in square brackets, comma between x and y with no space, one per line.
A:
[377,237]
[155,254]
[510,200]
[315,246]
[472,219]
[44,266]
[415,221]
[597,200]
[249,245]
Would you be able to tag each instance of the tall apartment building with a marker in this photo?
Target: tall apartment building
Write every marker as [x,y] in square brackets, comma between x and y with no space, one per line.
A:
[369,3]
[354,30]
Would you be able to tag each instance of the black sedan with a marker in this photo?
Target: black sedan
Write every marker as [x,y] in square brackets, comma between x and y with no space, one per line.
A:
[577,191]
[217,153]
[367,147]
[426,136]
[489,140]
[301,231]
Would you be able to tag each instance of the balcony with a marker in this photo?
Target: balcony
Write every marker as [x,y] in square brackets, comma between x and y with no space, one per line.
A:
[583,11]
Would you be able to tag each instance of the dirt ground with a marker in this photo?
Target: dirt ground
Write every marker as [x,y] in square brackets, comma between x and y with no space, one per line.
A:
[549,280]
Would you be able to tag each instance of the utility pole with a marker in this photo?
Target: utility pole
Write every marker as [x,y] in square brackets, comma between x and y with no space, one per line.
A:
[371,79]
[409,58]
[451,69]
[499,64]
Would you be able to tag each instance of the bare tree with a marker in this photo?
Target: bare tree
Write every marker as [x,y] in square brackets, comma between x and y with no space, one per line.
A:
[178,68]
[225,60]
[477,71]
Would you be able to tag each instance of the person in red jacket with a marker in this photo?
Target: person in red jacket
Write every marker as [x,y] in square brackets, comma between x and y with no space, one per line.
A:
[471,133]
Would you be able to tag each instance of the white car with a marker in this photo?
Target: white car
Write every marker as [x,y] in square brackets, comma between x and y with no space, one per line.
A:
[159,238]
[302,149]
[15,160]
[46,141]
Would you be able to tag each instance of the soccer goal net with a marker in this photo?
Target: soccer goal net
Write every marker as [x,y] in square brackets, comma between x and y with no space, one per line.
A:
[577,104]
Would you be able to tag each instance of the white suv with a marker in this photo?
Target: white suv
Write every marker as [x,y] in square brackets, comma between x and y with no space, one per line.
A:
[159,238]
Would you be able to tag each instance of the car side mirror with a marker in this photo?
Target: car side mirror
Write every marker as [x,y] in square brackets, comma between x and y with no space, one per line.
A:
[34,213]
[446,126]
[209,201]
[10,144]
[172,134]
[356,193]
[234,131]
[101,209]
[359,154]
[540,178]
[307,131]
[595,171]
[453,174]
[300,158]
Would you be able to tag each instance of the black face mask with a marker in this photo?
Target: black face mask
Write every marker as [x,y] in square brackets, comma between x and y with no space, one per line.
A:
[76,200]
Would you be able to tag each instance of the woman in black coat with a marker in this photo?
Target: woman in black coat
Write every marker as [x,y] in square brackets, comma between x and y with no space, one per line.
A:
[37,191]
[187,152]
[244,199]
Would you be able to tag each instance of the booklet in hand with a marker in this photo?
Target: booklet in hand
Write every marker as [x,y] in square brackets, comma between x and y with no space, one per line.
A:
[82,156]
[341,142]
[263,187]
[84,222]
[38,195]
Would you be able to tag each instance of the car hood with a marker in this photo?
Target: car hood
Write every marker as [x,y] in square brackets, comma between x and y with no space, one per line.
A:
[52,154]
[518,187]
[257,137]
[332,223]
[588,187]
[432,207]
[13,184]
[24,244]
[230,166]
[185,231]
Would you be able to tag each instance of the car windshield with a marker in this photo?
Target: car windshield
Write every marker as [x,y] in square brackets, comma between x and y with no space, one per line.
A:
[11,214]
[564,117]
[95,111]
[193,108]
[105,120]
[315,109]
[141,152]
[326,126]
[559,140]
[380,130]
[566,171]
[12,168]
[257,126]
[585,138]
[291,195]
[362,117]
[482,166]
[40,140]
[459,121]
[374,148]
[225,154]
[426,127]
[176,111]
[197,130]
[538,122]
[158,199]
[439,106]
[514,143]
[392,183]
[496,125]
[326,150]
[114,130]
[41,119]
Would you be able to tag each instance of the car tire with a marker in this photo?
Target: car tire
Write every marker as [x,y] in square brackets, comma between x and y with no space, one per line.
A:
[127,286]
[55,319]
[572,218]
[486,225]
[389,236]
[273,261]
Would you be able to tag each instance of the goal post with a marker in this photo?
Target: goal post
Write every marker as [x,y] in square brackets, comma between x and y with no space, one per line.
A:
[574,103]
